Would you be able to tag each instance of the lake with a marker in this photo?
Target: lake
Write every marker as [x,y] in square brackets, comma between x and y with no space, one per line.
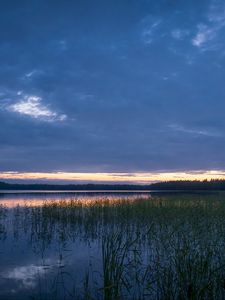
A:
[112,245]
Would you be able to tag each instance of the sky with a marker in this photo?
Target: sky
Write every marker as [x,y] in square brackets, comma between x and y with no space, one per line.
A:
[112,88]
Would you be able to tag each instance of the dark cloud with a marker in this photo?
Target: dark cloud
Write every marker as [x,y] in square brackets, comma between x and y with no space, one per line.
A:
[119,85]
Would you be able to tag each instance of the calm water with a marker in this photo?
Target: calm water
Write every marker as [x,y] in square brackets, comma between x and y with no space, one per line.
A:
[112,245]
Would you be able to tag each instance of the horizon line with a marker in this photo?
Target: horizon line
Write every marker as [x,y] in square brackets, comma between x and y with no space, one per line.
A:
[113,177]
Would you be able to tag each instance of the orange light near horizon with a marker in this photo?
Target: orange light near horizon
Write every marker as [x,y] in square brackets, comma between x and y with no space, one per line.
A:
[65,200]
[139,177]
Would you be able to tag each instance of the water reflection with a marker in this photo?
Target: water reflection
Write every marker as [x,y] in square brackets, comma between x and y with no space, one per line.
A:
[107,246]
[12,199]
[26,274]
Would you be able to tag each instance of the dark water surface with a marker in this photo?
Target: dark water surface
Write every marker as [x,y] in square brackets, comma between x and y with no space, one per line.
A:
[108,245]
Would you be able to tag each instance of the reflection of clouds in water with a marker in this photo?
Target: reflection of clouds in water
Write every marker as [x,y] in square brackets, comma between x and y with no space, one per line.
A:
[27,275]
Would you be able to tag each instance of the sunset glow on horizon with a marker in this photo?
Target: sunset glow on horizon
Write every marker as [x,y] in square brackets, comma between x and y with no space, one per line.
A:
[138,177]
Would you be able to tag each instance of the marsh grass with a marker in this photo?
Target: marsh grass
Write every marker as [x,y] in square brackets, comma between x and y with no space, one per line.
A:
[168,247]
[3,216]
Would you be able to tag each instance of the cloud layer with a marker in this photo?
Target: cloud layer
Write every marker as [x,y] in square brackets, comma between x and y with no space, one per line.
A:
[32,106]
[112,87]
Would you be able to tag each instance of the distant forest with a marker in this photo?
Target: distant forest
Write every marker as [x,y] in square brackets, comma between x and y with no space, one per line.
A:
[168,185]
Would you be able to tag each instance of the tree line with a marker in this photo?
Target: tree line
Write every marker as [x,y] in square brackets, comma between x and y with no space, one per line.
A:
[167,185]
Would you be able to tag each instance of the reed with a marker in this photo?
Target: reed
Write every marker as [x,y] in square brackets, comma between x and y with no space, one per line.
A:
[169,247]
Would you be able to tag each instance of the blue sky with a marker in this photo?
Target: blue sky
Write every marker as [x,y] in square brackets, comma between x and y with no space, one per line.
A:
[112,86]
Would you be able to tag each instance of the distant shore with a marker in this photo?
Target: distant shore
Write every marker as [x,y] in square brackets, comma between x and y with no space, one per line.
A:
[160,186]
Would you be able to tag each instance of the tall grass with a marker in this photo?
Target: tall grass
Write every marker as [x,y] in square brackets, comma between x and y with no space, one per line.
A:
[3,216]
[167,247]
